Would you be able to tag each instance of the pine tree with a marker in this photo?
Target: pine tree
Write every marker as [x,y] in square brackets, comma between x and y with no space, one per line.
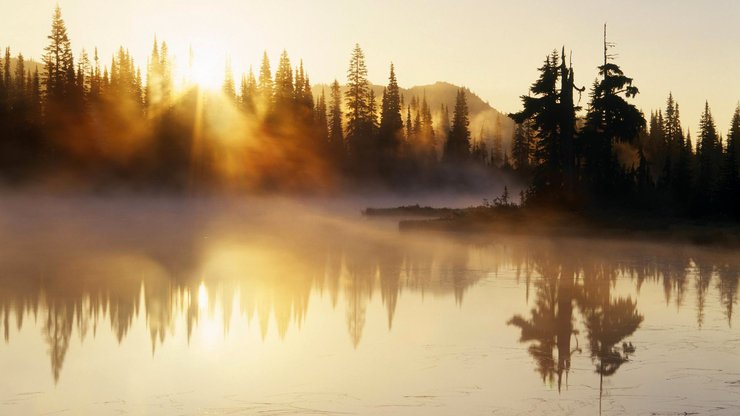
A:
[243,94]
[152,95]
[84,79]
[417,126]
[307,92]
[427,128]
[708,153]
[303,95]
[542,109]
[391,125]
[299,79]
[165,68]
[610,120]
[95,77]
[672,125]
[265,83]
[58,60]
[228,88]
[20,78]
[521,145]
[7,75]
[322,120]
[336,131]
[139,88]
[105,80]
[677,154]
[733,137]
[3,93]
[372,113]
[158,90]
[730,177]
[284,88]
[653,145]
[409,125]
[567,123]
[656,135]
[457,147]
[359,124]
[248,92]
[444,122]
[34,95]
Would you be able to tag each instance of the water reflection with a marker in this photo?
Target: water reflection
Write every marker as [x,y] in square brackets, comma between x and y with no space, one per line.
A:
[191,270]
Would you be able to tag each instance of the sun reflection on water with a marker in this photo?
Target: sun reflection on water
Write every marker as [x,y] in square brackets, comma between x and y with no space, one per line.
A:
[202,297]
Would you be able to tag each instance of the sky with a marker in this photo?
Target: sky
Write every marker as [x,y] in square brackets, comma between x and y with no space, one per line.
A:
[690,48]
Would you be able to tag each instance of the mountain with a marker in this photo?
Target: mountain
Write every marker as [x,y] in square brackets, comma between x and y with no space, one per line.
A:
[482,114]
[28,64]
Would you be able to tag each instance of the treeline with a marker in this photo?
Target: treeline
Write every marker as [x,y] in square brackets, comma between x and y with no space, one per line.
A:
[86,123]
[611,158]
[90,124]
[84,285]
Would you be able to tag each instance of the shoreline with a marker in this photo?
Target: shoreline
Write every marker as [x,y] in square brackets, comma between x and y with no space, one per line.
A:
[552,223]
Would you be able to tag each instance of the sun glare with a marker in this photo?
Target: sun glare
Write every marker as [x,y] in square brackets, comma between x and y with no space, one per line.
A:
[202,297]
[204,68]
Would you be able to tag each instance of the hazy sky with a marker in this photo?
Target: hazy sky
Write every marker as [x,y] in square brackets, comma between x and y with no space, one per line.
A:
[493,47]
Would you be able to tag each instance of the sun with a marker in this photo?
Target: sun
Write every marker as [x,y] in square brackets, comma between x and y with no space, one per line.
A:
[204,67]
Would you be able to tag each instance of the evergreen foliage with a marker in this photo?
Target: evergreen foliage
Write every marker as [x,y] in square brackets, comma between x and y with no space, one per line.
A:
[457,146]
[127,125]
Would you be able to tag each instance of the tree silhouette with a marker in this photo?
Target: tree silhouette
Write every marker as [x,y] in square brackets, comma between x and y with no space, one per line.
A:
[125,125]
[457,146]
[229,87]
[543,109]
[284,88]
[248,93]
[730,178]
[357,98]
[610,120]
[265,85]
[521,147]
[391,125]
[59,74]
[336,131]
[708,153]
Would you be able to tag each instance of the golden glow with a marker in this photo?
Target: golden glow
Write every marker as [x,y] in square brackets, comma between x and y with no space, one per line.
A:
[204,67]
[202,297]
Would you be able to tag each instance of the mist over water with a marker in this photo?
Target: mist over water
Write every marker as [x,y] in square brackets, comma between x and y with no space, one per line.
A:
[179,236]
[122,305]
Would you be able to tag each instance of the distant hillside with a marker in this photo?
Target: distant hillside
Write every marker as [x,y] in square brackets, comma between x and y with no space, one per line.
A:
[29,64]
[482,115]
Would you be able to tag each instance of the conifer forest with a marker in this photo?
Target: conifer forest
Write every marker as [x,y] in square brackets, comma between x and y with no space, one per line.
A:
[89,122]
[372,208]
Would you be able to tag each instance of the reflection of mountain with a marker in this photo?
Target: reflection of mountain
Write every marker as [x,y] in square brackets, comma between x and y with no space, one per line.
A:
[76,277]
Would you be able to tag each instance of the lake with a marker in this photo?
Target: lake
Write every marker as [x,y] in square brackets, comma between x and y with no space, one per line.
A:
[286,307]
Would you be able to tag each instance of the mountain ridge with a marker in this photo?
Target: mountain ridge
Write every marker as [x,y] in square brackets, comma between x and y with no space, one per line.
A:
[483,116]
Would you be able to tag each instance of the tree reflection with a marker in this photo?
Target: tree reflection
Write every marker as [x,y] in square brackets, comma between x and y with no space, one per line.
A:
[550,328]
[57,331]
[273,278]
[729,277]
[607,326]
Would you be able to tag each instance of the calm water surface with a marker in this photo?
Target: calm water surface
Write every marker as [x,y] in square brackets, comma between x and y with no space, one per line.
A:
[278,308]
